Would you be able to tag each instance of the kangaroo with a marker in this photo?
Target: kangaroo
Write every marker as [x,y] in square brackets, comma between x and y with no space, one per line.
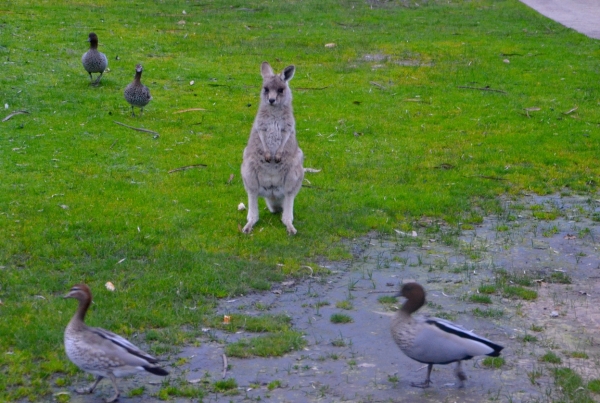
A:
[272,164]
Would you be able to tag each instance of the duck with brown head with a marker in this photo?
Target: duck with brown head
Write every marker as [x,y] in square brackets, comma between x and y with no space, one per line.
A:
[136,93]
[433,340]
[100,352]
[94,61]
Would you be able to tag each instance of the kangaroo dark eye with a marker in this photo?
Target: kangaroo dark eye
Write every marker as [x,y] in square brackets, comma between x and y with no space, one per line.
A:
[266,90]
[280,90]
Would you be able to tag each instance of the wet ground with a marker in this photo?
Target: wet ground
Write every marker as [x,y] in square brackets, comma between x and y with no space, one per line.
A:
[546,240]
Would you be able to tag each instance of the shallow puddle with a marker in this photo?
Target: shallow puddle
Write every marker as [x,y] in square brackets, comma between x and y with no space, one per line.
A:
[543,239]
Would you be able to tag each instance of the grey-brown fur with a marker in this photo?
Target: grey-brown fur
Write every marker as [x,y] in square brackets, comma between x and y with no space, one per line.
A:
[94,61]
[272,166]
[136,93]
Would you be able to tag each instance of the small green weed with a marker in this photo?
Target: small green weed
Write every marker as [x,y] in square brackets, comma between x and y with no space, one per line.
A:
[225,385]
[387,299]
[551,358]
[560,278]
[487,289]
[340,318]
[139,391]
[271,345]
[529,338]
[519,292]
[579,354]
[488,313]
[493,362]
[480,299]
[594,385]
[536,328]
[274,385]
[345,304]
[255,324]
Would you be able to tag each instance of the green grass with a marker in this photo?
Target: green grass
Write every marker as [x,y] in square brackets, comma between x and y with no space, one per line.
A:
[519,292]
[345,304]
[579,354]
[551,358]
[487,289]
[83,199]
[340,318]
[594,385]
[488,313]
[571,386]
[225,385]
[493,362]
[271,345]
[256,324]
[560,277]
[480,299]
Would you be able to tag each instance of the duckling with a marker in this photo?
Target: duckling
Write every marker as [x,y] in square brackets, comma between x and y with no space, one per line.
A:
[136,93]
[433,340]
[94,61]
[100,352]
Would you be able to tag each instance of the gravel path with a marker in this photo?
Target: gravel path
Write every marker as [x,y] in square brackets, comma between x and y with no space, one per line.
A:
[581,15]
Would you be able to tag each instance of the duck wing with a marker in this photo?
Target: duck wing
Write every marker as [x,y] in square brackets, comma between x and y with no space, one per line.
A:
[453,329]
[121,347]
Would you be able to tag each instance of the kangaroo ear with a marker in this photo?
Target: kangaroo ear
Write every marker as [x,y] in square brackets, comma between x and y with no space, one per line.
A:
[266,70]
[288,73]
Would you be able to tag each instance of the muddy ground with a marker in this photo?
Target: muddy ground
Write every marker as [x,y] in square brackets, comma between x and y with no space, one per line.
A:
[544,239]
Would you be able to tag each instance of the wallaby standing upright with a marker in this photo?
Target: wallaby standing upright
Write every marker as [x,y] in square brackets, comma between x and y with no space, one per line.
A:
[272,166]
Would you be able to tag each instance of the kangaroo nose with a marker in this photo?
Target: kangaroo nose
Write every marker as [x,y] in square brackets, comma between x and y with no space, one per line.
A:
[271,101]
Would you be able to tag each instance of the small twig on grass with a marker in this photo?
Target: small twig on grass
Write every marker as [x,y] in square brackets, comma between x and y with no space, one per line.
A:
[138,129]
[310,88]
[14,114]
[224,366]
[482,89]
[113,144]
[187,167]
[318,188]
[494,178]
[377,85]
[189,110]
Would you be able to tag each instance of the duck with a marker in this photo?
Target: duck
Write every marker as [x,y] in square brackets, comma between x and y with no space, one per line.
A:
[94,61]
[433,340]
[101,352]
[136,93]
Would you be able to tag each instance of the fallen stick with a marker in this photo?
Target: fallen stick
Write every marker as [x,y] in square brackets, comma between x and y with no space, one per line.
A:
[187,167]
[377,85]
[15,114]
[224,366]
[494,178]
[482,89]
[311,88]
[138,129]
[190,110]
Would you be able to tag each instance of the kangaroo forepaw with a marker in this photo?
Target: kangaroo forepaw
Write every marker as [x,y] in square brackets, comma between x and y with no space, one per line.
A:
[247,228]
[278,157]
[268,156]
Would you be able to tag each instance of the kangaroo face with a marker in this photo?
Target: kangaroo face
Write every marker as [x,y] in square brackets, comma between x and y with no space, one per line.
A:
[275,87]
